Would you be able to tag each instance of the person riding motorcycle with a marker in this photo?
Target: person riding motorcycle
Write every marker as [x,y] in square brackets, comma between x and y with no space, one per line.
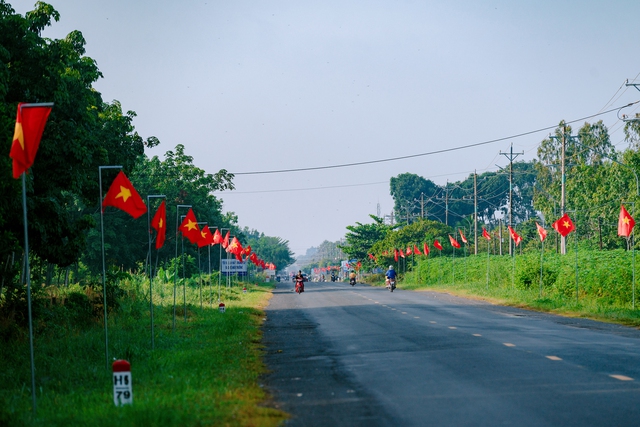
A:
[299,279]
[352,278]
[391,274]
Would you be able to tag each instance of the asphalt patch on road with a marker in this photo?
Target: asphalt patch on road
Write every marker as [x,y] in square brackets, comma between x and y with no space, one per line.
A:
[305,379]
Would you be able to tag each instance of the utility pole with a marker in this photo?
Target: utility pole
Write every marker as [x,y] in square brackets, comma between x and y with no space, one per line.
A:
[563,180]
[511,156]
[475,212]
[446,203]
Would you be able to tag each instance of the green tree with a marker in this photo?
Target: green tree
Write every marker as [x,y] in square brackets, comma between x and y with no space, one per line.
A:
[360,238]
[82,133]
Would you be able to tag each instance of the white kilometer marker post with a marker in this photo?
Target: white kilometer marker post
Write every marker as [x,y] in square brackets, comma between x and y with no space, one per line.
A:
[122,390]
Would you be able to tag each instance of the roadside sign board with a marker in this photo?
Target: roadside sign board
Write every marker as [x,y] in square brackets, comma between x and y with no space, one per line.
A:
[233,266]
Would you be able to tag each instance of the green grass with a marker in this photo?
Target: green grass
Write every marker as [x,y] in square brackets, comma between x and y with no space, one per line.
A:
[604,282]
[204,373]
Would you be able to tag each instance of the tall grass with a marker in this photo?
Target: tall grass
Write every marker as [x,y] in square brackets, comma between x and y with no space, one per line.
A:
[601,289]
[205,372]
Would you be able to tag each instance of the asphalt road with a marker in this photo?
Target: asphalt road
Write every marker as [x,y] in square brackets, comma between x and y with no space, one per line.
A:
[362,356]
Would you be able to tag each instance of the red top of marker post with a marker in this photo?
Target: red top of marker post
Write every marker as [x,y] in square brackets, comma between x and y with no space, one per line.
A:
[121,366]
[221,304]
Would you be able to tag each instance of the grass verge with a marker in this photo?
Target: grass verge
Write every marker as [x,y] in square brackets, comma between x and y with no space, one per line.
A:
[203,373]
[593,285]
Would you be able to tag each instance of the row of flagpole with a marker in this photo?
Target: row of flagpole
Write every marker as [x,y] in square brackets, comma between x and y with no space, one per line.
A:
[31,120]
[564,226]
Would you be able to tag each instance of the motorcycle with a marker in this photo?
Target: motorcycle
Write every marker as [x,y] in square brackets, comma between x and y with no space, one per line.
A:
[352,281]
[391,285]
[299,285]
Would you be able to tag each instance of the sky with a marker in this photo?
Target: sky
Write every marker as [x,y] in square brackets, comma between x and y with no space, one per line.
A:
[253,86]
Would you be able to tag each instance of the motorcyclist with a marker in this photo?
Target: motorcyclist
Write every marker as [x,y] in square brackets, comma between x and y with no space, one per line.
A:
[391,274]
[352,277]
[299,279]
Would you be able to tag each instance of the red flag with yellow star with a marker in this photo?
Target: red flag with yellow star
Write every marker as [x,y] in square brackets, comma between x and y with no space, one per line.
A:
[486,234]
[437,245]
[123,196]
[30,122]
[541,232]
[625,223]
[189,227]
[454,242]
[206,238]
[515,236]
[217,237]
[225,241]
[159,223]
[564,225]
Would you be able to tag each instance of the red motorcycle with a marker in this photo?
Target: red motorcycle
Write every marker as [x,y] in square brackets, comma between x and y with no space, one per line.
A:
[299,284]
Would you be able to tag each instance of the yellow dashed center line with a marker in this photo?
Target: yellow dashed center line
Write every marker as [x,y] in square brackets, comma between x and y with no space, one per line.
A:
[404,312]
[431,321]
[477,335]
[553,357]
[415,317]
[621,377]
[452,327]
[508,344]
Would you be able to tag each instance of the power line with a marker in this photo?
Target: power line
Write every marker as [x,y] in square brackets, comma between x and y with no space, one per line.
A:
[305,189]
[446,150]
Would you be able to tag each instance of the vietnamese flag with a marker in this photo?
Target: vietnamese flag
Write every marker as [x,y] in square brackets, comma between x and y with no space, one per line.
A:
[454,242]
[425,248]
[464,239]
[225,241]
[437,245]
[123,196]
[234,247]
[515,236]
[395,255]
[159,223]
[564,225]
[206,238]
[409,250]
[401,253]
[217,237]
[625,223]
[30,122]
[486,234]
[541,232]
[416,250]
[189,227]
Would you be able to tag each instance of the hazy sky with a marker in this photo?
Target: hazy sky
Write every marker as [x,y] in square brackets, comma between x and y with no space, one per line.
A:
[268,85]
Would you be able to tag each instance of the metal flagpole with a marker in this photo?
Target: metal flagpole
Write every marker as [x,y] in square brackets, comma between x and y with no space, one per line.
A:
[199,264]
[28,279]
[184,278]
[541,263]
[488,247]
[210,283]
[453,267]
[220,264]
[175,276]
[104,268]
[154,196]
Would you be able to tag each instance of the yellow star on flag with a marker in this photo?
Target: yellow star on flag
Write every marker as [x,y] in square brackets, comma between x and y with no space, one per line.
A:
[19,134]
[566,224]
[190,225]
[626,220]
[160,223]
[124,193]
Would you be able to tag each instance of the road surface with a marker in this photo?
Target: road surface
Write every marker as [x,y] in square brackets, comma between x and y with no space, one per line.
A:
[362,356]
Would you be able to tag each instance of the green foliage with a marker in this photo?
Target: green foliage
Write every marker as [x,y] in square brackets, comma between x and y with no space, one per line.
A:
[189,379]
[361,238]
